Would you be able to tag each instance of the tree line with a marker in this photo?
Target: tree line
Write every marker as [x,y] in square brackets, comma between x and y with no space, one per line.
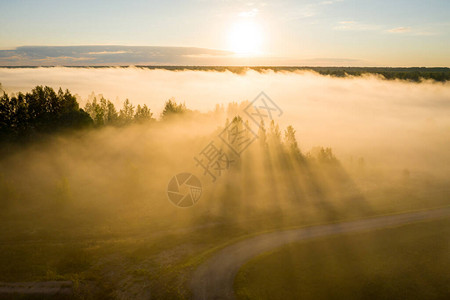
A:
[273,139]
[415,74]
[43,110]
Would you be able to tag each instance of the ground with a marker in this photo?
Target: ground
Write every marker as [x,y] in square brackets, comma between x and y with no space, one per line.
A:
[407,262]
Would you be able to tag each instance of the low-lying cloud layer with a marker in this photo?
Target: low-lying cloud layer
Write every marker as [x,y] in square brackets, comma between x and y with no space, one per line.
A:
[106,55]
[116,55]
[396,124]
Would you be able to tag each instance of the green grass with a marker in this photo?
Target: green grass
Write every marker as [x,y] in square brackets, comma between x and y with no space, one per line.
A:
[408,262]
[130,248]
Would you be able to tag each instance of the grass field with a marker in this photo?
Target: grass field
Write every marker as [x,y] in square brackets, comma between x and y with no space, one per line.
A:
[408,262]
[130,257]
[91,207]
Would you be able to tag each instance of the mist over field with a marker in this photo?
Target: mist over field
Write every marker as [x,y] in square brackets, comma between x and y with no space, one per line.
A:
[396,124]
[232,150]
[91,205]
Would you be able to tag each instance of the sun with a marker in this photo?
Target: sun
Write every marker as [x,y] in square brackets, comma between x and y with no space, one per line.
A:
[245,38]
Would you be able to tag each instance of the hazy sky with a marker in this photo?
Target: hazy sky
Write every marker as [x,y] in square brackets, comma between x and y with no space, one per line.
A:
[361,32]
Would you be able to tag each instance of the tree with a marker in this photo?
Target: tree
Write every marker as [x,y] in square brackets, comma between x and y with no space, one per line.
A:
[143,114]
[43,110]
[102,112]
[70,115]
[126,114]
[291,142]
[6,114]
[262,135]
[111,115]
[323,155]
[171,108]
[96,112]
[274,136]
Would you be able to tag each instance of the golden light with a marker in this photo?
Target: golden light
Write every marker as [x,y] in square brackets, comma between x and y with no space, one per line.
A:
[245,38]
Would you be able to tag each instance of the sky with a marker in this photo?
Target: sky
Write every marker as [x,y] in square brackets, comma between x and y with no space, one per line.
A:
[285,32]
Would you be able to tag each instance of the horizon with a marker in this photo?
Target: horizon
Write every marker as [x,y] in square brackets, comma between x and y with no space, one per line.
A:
[126,55]
[317,33]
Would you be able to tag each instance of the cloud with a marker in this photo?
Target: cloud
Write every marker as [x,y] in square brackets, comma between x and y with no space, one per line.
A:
[425,33]
[355,26]
[105,55]
[312,9]
[329,2]
[249,14]
[411,31]
[326,61]
[107,52]
[399,30]
[147,55]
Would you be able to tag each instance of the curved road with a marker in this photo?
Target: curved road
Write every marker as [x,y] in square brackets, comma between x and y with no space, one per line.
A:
[214,278]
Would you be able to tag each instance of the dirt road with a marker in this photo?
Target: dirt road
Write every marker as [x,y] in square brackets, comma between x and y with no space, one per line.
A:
[214,278]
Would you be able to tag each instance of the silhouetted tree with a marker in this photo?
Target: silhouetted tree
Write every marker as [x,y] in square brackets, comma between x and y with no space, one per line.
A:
[126,114]
[43,110]
[172,108]
[102,112]
[291,142]
[111,115]
[262,135]
[143,114]
[274,136]
[96,112]
[323,155]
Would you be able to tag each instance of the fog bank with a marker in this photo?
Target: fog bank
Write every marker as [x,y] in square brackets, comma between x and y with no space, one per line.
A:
[390,123]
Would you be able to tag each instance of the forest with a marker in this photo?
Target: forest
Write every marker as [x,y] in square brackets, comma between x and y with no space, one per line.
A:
[43,111]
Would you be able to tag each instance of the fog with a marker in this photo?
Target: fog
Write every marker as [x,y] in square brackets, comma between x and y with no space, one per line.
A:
[394,124]
[94,202]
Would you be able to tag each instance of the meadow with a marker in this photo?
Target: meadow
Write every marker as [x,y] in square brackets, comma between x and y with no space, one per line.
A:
[90,205]
[410,261]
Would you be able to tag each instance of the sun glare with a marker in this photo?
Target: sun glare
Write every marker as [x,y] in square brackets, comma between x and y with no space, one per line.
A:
[245,38]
